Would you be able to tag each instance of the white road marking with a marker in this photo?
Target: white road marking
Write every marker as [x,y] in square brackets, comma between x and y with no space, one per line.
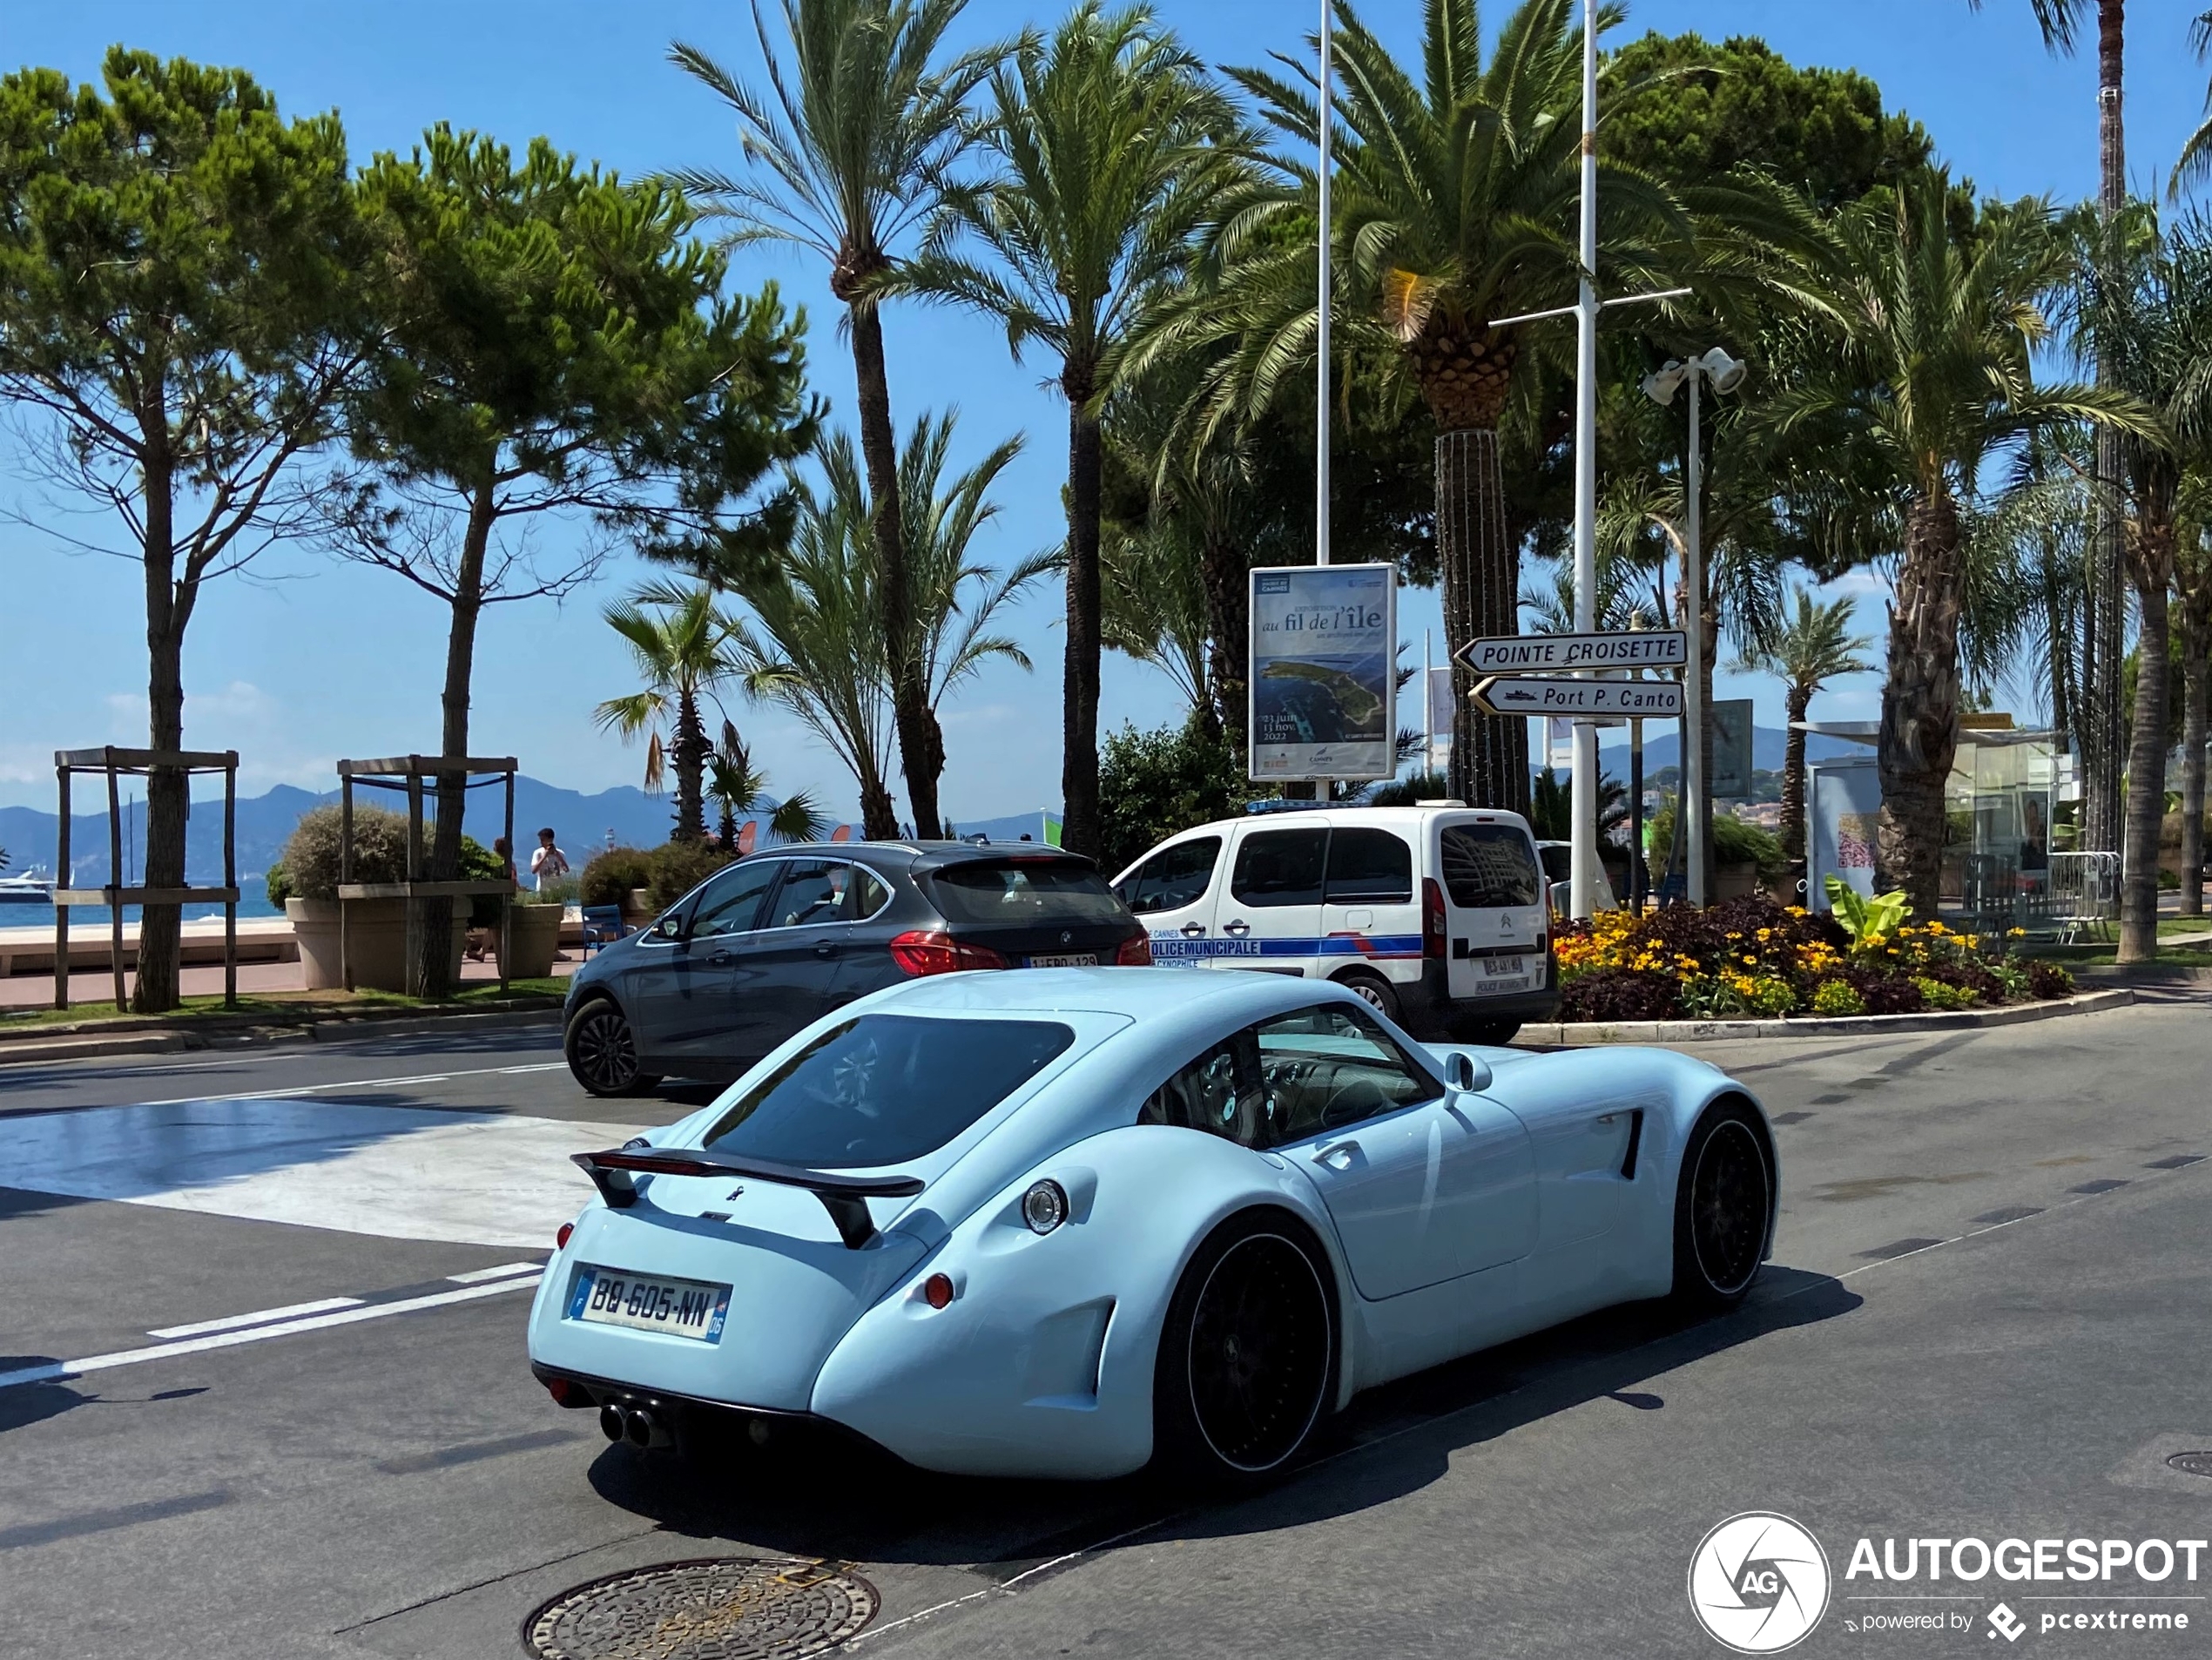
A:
[360,1083]
[53,1371]
[232,1322]
[396,1173]
[478,1276]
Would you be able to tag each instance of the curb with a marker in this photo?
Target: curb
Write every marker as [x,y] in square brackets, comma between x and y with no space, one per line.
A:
[1578,1034]
[84,1043]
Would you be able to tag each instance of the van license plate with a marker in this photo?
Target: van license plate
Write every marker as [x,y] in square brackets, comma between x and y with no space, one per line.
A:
[1498,967]
[648,1303]
[1066,960]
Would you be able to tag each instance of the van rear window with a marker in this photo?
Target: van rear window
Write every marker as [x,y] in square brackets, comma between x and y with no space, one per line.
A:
[1489,867]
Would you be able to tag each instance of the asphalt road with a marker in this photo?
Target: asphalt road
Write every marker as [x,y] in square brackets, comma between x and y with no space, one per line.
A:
[1986,1317]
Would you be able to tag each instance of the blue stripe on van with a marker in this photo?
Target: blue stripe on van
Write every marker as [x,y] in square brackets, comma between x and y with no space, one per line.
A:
[1168,946]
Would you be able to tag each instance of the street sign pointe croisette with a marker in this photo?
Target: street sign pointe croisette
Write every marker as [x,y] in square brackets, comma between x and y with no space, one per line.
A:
[1638,699]
[1657,648]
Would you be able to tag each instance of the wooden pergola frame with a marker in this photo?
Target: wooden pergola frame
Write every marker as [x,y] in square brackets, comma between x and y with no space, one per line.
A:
[141,763]
[408,773]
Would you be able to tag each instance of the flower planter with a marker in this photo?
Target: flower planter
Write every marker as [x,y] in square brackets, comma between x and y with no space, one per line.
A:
[375,942]
[1735,882]
[535,932]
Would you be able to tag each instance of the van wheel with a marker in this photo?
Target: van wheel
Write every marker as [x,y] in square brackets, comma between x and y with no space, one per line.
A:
[1495,1033]
[1379,994]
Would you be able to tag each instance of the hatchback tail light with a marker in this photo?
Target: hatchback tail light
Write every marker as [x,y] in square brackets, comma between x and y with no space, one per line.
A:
[919,951]
[1136,951]
[1433,926]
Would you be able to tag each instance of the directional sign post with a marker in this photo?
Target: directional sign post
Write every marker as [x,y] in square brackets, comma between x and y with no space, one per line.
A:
[1637,699]
[1657,648]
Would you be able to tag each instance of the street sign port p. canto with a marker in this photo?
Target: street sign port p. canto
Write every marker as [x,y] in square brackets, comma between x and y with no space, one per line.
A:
[1636,699]
[1656,648]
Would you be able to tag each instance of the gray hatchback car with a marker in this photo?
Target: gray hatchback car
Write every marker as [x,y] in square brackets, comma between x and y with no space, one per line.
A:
[771,943]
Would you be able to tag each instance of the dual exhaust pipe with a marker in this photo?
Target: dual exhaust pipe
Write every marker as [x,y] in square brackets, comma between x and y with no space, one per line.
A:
[642,1426]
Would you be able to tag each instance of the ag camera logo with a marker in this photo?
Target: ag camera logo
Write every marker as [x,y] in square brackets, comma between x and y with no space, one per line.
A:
[1759,1583]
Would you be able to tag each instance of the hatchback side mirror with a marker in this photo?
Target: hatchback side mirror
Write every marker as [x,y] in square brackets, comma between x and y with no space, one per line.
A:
[1466,1074]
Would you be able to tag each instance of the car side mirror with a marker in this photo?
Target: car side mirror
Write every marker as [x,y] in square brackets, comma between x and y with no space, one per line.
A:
[1466,1074]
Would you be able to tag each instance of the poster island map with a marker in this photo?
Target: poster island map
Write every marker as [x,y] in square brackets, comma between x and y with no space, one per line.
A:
[1323,646]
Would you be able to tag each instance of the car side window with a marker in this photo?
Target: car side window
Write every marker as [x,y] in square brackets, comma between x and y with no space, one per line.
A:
[868,895]
[1369,868]
[1489,867]
[1173,878]
[812,892]
[1322,1069]
[730,903]
[1279,867]
[1218,1093]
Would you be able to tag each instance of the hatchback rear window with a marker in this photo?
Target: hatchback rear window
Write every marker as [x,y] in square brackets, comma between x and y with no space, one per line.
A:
[1025,893]
[1489,867]
[883,1089]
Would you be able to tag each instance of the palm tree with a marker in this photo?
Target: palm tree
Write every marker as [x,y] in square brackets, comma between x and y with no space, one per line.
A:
[1153,608]
[1811,647]
[677,641]
[1455,203]
[812,643]
[737,787]
[1103,169]
[847,157]
[1928,375]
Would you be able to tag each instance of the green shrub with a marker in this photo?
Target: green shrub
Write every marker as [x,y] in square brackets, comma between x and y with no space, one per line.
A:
[679,866]
[1941,994]
[311,857]
[2047,980]
[1733,843]
[562,890]
[278,884]
[1837,997]
[1152,784]
[608,877]
[480,864]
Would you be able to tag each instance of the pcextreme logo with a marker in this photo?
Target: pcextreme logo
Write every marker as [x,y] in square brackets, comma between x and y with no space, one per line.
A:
[1759,1583]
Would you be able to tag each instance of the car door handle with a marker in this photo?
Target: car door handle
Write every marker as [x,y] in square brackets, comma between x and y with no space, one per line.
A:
[1338,1155]
[825,948]
[721,959]
[1239,928]
[1194,930]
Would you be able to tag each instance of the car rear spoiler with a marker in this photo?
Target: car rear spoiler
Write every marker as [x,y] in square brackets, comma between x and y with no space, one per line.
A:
[844,1196]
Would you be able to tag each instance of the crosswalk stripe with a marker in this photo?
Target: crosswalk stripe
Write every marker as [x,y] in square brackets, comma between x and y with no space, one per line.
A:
[231,1322]
[478,1276]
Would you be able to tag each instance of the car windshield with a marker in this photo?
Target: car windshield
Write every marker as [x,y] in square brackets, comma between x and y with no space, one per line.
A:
[882,1088]
[1026,892]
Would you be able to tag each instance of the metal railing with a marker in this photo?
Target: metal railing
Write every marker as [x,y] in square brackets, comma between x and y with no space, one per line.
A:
[2060,896]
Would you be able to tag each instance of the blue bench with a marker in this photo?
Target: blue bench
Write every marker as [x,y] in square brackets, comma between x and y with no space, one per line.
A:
[602,926]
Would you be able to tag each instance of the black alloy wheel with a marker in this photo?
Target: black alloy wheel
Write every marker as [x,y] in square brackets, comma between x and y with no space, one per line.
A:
[1722,1208]
[602,1051]
[1248,1352]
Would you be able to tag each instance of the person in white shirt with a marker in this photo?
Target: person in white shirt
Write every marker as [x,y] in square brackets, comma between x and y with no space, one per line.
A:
[548,863]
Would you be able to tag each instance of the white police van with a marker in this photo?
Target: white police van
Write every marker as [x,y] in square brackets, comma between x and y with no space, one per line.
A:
[1439,916]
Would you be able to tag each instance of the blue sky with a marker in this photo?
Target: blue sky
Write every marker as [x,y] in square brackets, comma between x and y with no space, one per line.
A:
[313,660]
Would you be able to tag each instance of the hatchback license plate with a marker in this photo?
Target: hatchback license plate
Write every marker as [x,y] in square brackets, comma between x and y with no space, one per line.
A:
[1066,960]
[649,1303]
[1496,968]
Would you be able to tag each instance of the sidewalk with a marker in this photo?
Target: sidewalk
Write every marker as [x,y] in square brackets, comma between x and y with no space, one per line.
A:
[95,990]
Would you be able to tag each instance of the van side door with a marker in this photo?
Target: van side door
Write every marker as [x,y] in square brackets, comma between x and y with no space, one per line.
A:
[1270,917]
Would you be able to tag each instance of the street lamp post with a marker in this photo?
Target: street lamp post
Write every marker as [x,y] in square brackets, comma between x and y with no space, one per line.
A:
[1726,373]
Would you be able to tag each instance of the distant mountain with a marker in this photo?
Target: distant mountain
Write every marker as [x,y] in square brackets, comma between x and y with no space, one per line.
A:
[1663,748]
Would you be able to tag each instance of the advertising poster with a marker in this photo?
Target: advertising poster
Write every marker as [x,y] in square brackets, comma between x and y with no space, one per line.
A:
[1322,695]
[1842,811]
[1732,738]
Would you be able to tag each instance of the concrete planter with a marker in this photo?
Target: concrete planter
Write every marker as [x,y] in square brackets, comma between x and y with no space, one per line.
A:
[536,930]
[637,908]
[375,942]
[1735,882]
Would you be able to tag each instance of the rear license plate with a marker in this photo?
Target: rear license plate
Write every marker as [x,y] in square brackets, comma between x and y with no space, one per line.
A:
[649,1303]
[1497,967]
[1065,960]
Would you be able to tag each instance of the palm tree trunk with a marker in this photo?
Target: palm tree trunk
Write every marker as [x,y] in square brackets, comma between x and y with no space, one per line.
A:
[2196,680]
[1797,700]
[1081,826]
[1222,570]
[922,749]
[688,756]
[1920,703]
[1481,567]
[2100,720]
[2146,780]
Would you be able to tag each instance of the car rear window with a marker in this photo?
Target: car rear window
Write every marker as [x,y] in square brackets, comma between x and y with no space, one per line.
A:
[1025,893]
[882,1088]
[1488,866]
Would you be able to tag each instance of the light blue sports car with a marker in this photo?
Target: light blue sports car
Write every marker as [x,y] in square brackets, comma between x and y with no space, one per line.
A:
[1062,1222]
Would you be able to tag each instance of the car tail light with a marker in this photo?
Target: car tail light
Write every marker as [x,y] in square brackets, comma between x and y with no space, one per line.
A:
[1433,926]
[1136,951]
[561,1240]
[919,951]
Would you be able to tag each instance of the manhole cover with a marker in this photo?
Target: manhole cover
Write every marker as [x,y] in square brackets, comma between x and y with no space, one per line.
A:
[729,1608]
[2192,1463]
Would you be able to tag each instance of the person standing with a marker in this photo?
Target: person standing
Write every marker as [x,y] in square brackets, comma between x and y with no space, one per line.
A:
[548,863]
